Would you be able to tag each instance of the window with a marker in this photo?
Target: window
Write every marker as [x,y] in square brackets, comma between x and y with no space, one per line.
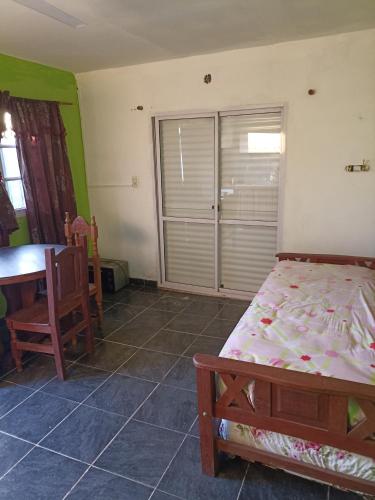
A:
[264,142]
[9,166]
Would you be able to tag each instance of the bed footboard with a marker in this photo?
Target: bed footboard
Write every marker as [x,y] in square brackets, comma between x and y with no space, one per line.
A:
[306,406]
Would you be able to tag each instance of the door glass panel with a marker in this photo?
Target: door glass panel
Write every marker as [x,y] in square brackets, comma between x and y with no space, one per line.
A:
[247,255]
[187,159]
[249,169]
[189,253]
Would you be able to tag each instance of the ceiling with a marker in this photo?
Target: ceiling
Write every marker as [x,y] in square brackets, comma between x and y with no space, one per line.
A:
[126,32]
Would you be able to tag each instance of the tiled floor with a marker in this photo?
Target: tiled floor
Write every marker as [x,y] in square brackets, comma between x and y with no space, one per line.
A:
[123,425]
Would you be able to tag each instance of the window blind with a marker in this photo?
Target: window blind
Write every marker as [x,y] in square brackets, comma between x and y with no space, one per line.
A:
[187,154]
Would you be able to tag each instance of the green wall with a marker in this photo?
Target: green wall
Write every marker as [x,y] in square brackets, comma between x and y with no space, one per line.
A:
[28,79]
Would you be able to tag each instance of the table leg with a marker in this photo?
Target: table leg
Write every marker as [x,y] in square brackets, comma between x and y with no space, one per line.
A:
[19,295]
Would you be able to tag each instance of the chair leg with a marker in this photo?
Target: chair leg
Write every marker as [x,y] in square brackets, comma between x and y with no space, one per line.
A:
[89,335]
[58,352]
[74,343]
[99,306]
[16,353]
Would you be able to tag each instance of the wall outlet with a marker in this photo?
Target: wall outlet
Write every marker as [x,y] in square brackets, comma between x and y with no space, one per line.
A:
[134,181]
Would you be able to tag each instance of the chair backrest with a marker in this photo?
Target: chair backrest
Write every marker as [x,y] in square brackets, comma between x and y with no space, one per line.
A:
[78,228]
[67,278]
[74,231]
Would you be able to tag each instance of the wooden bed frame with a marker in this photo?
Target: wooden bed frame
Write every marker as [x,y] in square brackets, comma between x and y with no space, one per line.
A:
[306,406]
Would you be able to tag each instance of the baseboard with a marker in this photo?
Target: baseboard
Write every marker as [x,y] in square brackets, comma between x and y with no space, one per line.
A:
[143,282]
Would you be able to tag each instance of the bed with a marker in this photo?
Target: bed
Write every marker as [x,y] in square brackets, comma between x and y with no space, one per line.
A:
[294,385]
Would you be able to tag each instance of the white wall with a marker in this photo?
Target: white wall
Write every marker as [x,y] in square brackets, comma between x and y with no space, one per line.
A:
[325,209]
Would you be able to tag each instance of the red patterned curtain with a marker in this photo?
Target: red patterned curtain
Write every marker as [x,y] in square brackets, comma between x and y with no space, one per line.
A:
[44,166]
[8,221]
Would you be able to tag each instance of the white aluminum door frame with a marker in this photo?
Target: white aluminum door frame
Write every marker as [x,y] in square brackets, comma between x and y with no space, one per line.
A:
[162,218]
[251,109]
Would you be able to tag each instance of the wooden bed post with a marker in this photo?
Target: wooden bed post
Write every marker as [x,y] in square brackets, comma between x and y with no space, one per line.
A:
[206,401]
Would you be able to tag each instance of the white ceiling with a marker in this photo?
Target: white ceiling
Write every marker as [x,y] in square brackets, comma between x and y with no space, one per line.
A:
[125,32]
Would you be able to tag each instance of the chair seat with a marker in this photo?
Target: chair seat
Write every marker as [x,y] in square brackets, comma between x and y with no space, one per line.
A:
[37,314]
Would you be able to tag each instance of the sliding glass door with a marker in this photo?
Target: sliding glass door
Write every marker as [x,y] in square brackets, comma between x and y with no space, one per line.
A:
[250,147]
[187,208]
[218,198]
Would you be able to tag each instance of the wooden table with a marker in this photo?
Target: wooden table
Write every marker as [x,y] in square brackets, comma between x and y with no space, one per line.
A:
[20,268]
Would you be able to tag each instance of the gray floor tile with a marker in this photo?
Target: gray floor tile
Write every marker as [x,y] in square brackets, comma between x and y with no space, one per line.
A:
[80,382]
[122,312]
[220,328]
[262,482]
[244,303]
[189,323]
[108,326]
[121,394]
[101,485]
[39,477]
[204,308]
[170,342]
[11,395]
[185,479]
[194,431]
[120,296]
[154,318]
[231,311]
[108,356]
[205,345]
[12,449]
[174,304]
[36,372]
[108,303]
[154,290]
[210,298]
[141,452]
[190,297]
[182,375]
[137,332]
[71,354]
[159,495]
[148,365]
[36,416]
[140,299]
[84,434]
[169,407]
[133,335]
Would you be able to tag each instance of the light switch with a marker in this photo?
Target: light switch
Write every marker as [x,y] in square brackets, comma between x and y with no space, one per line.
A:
[134,181]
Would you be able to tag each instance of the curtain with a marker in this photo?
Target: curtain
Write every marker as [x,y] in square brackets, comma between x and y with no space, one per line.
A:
[8,221]
[44,165]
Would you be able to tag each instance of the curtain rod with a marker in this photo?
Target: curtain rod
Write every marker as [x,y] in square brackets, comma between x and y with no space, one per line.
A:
[62,103]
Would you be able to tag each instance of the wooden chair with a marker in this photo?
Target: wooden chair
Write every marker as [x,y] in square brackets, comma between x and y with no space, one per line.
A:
[73,233]
[67,293]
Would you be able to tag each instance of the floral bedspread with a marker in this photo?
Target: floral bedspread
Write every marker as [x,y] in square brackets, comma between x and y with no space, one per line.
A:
[315,318]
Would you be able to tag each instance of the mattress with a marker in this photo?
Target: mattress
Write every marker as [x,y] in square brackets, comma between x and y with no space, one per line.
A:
[314,318]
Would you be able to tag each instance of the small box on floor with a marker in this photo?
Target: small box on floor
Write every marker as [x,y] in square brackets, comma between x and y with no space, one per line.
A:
[115,274]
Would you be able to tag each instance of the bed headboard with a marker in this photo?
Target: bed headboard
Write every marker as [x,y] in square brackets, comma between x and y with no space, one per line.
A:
[368,262]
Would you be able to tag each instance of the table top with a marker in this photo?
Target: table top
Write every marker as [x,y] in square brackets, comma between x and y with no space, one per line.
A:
[23,263]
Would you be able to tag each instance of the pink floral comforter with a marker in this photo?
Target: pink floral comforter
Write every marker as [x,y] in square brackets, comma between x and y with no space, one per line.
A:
[315,318]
